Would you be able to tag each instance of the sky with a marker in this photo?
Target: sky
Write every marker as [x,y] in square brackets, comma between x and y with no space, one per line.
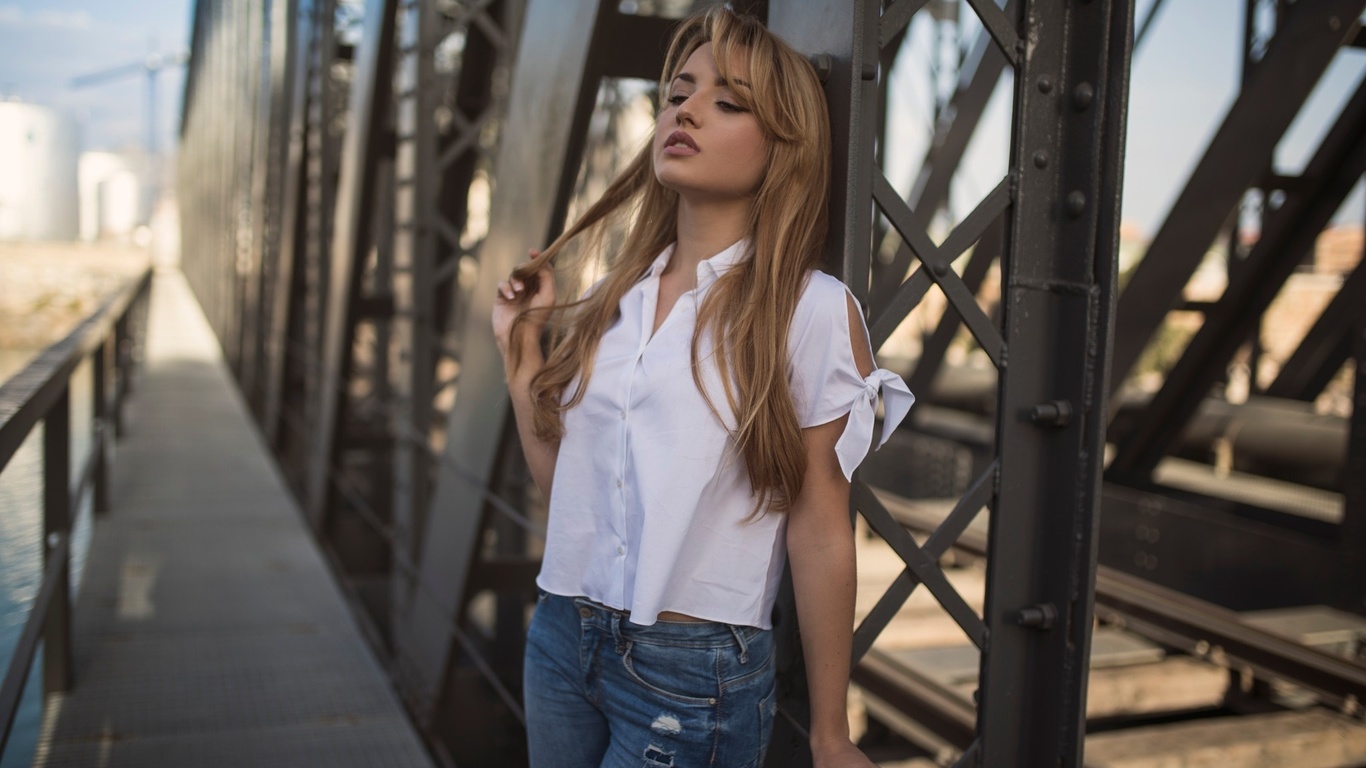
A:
[1183,80]
[46,43]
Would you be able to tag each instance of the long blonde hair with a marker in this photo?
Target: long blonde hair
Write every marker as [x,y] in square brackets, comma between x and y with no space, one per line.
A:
[750,307]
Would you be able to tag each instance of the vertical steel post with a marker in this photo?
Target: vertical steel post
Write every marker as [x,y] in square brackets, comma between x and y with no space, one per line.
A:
[1067,152]
[549,77]
[100,431]
[1352,535]
[411,276]
[123,361]
[351,240]
[286,234]
[846,31]
[57,665]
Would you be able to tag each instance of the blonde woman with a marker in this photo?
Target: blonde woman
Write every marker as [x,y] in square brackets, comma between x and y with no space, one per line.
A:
[694,426]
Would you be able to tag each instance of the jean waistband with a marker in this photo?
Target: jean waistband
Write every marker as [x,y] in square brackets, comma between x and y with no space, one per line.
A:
[677,633]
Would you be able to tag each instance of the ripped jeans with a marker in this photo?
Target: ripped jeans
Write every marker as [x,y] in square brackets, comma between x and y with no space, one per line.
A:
[602,692]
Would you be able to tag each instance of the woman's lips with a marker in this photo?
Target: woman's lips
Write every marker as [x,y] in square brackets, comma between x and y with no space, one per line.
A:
[680,144]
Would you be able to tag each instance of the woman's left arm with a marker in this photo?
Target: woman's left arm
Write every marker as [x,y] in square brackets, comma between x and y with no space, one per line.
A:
[820,551]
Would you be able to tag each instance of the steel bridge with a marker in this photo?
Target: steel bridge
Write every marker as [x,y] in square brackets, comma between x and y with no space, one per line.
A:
[355,178]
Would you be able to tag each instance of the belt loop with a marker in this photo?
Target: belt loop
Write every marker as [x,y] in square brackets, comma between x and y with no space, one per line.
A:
[616,632]
[740,641]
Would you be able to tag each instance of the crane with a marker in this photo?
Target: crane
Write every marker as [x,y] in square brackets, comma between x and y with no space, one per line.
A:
[151,65]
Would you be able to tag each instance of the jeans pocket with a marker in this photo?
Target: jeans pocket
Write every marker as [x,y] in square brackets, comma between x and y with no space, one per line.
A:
[768,707]
[684,675]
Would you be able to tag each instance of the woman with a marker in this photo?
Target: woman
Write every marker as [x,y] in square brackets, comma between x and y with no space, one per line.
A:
[694,428]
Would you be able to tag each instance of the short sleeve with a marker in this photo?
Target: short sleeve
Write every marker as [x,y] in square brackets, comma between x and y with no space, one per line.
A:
[825,379]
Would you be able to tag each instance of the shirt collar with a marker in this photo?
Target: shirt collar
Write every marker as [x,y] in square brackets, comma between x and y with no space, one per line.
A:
[710,269]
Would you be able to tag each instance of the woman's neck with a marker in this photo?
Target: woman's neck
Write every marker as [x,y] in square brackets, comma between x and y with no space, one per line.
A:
[705,229]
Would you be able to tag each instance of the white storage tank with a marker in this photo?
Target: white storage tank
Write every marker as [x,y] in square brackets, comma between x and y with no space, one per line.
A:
[103,214]
[120,204]
[38,150]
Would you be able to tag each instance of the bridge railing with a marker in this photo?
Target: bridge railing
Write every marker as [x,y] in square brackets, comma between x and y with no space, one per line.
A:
[41,394]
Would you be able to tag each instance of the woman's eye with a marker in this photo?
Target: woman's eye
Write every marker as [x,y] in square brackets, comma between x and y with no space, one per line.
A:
[726,106]
[678,98]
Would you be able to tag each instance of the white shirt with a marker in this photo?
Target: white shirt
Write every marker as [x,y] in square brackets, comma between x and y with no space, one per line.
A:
[650,500]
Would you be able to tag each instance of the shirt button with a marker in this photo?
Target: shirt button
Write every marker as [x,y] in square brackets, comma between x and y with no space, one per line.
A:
[621,550]
[618,483]
[623,415]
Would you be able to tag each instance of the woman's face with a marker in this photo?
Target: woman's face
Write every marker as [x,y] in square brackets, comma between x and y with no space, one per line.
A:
[706,145]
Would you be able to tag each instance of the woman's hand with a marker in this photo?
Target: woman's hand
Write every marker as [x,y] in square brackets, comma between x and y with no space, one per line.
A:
[839,754]
[514,296]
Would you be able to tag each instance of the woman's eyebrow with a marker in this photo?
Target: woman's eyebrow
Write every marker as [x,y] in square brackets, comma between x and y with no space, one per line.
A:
[721,82]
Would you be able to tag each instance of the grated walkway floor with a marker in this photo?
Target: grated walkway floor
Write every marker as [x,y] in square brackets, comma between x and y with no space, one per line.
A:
[209,631]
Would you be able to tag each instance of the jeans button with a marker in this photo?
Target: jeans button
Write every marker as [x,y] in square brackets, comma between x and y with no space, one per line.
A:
[587,613]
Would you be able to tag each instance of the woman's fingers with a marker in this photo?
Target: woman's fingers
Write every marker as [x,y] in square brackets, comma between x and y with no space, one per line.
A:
[508,289]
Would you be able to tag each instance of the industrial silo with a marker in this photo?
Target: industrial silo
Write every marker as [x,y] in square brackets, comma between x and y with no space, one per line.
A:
[38,149]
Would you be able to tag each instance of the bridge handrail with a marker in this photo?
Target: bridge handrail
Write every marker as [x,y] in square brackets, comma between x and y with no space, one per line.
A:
[41,393]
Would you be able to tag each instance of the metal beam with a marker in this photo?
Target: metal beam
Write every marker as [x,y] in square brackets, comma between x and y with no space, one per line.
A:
[1189,624]
[1352,534]
[981,72]
[847,31]
[352,238]
[1214,550]
[289,233]
[1240,151]
[1067,158]
[933,350]
[1287,238]
[1327,345]
[549,77]
[255,142]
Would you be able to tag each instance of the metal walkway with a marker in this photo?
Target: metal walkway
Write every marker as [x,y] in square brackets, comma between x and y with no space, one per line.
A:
[208,631]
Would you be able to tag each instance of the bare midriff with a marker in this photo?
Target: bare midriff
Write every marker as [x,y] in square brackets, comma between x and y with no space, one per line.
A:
[672,616]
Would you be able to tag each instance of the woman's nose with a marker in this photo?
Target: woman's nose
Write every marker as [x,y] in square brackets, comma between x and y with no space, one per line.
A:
[684,113]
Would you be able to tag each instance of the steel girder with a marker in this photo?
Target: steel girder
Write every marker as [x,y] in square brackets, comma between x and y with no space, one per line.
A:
[352,236]
[252,140]
[981,71]
[1287,238]
[268,188]
[1062,239]
[1308,36]
[397,256]
[1071,91]
[288,240]
[565,50]
[215,174]
[1327,345]
[1352,532]
[300,297]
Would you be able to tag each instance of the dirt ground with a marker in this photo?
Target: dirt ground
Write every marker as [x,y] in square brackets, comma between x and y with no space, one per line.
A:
[46,289]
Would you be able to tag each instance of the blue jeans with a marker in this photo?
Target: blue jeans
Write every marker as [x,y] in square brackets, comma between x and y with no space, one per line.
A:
[602,692]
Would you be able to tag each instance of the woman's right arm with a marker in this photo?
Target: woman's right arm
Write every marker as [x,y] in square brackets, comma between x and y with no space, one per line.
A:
[512,299]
